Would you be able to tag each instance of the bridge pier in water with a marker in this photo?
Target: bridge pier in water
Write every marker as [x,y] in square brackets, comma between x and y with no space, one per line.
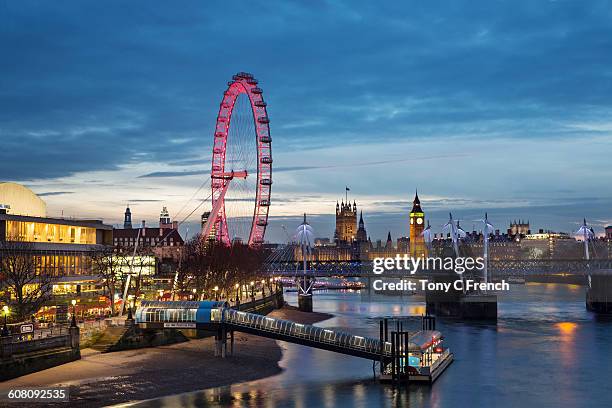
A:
[305,287]
[219,343]
[305,303]
[599,292]
[221,337]
[459,305]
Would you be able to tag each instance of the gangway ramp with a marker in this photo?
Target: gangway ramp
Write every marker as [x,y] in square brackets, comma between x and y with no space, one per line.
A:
[307,335]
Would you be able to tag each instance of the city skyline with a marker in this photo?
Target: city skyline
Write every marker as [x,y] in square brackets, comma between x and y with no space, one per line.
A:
[378,225]
[476,106]
[305,203]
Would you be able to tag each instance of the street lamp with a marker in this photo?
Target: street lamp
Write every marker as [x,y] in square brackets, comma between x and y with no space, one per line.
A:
[216,289]
[237,286]
[253,290]
[279,282]
[5,310]
[194,290]
[161,294]
[73,323]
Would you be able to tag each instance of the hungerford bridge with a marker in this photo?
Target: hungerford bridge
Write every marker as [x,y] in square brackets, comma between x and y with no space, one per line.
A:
[497,268]
[283,261]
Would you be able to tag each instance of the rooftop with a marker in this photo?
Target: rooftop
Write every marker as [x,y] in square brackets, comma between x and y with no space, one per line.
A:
[167,233]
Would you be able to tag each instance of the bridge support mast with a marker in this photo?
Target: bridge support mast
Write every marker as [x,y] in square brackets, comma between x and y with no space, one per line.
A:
[305,282]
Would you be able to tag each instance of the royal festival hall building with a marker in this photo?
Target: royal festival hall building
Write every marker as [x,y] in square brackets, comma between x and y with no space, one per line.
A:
[62,248]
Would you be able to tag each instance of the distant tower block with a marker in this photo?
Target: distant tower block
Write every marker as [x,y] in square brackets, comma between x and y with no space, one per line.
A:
[127,219]
[418,249]
[213,231]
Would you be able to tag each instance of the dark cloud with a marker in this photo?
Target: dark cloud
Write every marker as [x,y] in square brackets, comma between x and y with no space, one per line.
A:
[96,86]
[190,162]
[165,174]
[54,193]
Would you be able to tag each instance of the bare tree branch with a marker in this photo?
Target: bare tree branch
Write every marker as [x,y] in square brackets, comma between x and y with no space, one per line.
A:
[21,279]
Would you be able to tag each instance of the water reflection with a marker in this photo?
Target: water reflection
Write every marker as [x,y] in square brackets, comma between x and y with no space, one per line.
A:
[567,329]
[546,350]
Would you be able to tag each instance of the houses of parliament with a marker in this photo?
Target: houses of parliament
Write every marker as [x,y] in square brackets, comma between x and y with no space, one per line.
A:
[351,240]
[352,243]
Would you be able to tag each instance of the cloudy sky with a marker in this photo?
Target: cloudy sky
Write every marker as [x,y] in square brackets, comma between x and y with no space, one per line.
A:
[499,106]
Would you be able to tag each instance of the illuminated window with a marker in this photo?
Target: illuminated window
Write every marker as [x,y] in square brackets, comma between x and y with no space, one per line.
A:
[43,232]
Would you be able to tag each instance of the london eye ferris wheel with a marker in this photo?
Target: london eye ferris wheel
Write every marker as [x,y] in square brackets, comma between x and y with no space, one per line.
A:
[241,172]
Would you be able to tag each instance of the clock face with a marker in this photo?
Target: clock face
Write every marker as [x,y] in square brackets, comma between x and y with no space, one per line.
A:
[412,221]
[419,220]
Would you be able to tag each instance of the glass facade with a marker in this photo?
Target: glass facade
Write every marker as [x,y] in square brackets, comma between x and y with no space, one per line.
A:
[63,263]
[76,288]
[26,231]
[137,265]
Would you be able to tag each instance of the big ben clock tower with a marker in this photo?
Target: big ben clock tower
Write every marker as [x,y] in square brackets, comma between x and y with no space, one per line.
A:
[417,225]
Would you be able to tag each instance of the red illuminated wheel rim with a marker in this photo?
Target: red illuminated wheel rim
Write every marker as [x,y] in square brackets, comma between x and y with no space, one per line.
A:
[243,147]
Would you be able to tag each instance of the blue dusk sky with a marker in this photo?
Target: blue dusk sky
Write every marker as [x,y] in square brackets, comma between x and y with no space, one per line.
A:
[498,106]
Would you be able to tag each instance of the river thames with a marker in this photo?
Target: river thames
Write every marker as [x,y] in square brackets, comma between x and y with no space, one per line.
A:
[546,350]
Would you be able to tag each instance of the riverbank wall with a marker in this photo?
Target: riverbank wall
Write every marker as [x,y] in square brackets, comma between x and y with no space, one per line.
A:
[18,358]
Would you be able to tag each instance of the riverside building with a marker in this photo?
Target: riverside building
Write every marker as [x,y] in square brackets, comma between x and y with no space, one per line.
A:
[60,247]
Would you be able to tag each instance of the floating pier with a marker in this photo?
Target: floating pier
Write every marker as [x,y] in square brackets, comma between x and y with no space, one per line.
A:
[403,355]
[418,356]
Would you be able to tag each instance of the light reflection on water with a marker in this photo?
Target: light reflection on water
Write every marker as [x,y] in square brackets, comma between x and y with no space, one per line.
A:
[546,350]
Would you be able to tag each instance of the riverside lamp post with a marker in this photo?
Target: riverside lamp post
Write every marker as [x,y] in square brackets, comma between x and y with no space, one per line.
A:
[276,283]
[73,323]
[237,286]
[252,290]
[5,331]
[263,288]
[216,289]
[195,291]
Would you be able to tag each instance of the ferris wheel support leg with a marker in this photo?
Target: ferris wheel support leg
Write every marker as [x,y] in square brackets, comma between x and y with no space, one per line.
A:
[215,211]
